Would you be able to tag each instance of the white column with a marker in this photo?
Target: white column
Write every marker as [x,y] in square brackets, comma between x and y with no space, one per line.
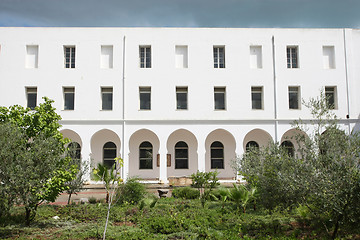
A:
[125,151]
[163,162]
[201,153]
[86,155]
[239,151]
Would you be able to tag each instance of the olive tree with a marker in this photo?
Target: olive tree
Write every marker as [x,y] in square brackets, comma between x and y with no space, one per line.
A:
[34,166]
[331,168]
[324,174]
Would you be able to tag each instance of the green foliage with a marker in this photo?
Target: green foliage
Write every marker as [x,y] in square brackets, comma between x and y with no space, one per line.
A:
[324,175]
[169,219]
[111,178]
[224,193]
[205,182]
[272,170]
[33,168]
[92,200]
[148,202]
[256,226]
[242,196]
[105,174]
[185,193]
[75,185]
[131,192]
[43,119]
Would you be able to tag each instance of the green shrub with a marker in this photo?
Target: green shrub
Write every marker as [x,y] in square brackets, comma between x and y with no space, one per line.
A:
[92,200]
[148,202]
[82,212]
[265,224]
[4,205]
[131,192]
[186,193]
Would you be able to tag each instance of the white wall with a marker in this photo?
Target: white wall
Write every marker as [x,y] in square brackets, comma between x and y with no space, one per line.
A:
[99,63]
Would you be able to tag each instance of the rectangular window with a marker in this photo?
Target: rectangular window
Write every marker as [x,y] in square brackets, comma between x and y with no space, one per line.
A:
[256,97]
[292,56]
[145,56]
[294,97]
[328,57]
[181,98]
[31,60]
[181,56]
[331,98]
[31,95]
[106,59]
[69,97]
[69,56]
[255,57]
[145,98]
[219,98]
[107,98]
[219,57]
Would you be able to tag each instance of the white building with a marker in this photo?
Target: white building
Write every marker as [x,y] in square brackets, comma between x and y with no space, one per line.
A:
[171,101]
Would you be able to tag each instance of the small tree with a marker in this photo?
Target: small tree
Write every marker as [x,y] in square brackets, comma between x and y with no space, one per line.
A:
[10,139]
[107,175]
[331,169]
[205,182]
[33,168]
[76,184]
[324,175]
[272,171]
[111,178]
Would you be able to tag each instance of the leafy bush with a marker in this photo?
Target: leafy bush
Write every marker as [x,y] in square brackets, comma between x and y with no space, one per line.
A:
[148,202]
[92,200]
[170,218]
[205,181]
[4,205]
[265,224]
[323,174]
[186,193]
[131,192]
[160,223]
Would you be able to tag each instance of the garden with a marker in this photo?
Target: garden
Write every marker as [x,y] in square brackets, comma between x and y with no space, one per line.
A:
[139,215]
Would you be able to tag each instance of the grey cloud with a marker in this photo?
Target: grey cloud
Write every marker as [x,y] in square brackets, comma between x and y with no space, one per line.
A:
[181,13]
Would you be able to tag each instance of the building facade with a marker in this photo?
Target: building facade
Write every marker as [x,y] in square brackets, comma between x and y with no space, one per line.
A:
[171,101]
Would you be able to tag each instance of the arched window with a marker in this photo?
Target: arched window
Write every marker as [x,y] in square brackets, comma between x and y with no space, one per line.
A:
[146,155]
[109,154]
[75,150]
[217,155]
[181,155]
[289,147]
[252,145]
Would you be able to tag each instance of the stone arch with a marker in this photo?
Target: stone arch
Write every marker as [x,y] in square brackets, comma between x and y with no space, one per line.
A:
[228,140]
[261,137]
[72,135]
[293,135]
[138,137]
[97,142]
[190,139]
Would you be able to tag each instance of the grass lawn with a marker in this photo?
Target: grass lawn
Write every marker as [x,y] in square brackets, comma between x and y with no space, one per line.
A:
[169,219]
